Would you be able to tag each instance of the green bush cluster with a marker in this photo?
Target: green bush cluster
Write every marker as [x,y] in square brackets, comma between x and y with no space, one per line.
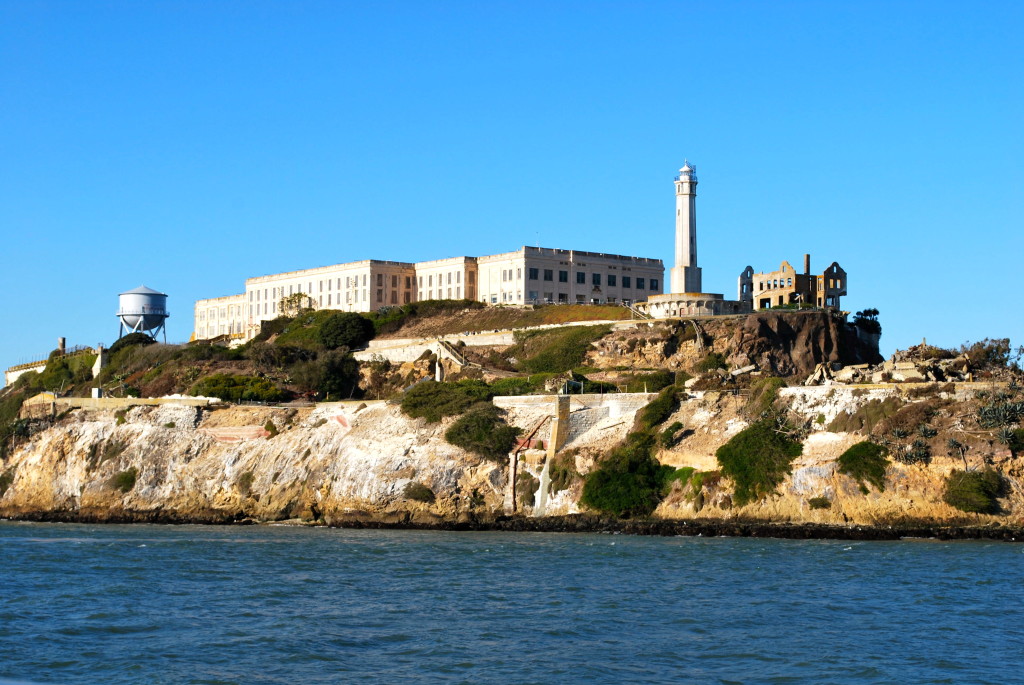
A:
[234,388]
[130,340]
[682,474]
[819,503]
[763,394]
[865,462]
[711,362]
[558,350]
[867,416]
[125,480]
[10,406]
[757,459]
[419,492]
[513,386]
[244,483]
[667,438]
[629,481]
[658,410]
[482,431]
[563,471]
[345,329]
[333,374]
[433,400]
[975,491]
[651,382]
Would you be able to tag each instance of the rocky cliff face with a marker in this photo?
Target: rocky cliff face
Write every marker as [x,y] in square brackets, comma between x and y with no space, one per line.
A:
[781,343]
[223,465]
[344,463]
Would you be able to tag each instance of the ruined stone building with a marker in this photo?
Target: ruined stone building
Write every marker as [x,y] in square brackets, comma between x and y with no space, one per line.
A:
[759,291]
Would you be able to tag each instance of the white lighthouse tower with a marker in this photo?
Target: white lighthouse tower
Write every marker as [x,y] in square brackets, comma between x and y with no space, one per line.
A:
[687,297]
[686,273]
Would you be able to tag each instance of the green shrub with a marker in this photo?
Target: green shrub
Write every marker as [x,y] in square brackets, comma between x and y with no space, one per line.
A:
[865,461]
[757,459]
[231,388]
[419,492]
[512,386]
[682,377]
[119,415]
[271,428]
[56,375]
[657,410]
[433,400]
[244,483]
[651,382]
[269,329]
[711,362]
[975,491]
[10,424]
[629,481]
[6,480]
[594,387]
[1013,438]
[669,476]
[763,394]
[170,424]
[125,480]
[303,330]
[334,373]
[345,329]
[481,430]
[132,339]
[558,350]
[563,471]
[668,436]
[819,503]
[867,416]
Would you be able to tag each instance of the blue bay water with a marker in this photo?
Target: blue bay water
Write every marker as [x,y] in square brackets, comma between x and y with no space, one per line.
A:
[196,604]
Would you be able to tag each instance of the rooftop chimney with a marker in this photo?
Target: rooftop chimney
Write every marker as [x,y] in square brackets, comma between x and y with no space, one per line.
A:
[807,265]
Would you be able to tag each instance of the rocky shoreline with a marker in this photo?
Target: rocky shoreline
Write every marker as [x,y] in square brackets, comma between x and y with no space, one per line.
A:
[576,523]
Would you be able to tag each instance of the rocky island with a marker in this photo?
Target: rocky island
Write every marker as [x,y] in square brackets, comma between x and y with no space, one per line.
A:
[451,415]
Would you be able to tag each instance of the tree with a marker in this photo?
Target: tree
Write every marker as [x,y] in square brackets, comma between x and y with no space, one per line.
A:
[345,329]
[867,321]
[294,304]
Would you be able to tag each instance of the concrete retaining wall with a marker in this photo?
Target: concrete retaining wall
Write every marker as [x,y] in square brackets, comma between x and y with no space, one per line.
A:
[613,404]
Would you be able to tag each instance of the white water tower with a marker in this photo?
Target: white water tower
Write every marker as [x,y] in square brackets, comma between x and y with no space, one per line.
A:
[142,310]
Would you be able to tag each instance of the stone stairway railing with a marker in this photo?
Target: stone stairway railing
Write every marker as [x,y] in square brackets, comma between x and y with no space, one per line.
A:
[636,312]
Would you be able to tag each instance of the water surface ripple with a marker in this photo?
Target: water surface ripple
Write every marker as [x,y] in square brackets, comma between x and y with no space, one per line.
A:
[196,604]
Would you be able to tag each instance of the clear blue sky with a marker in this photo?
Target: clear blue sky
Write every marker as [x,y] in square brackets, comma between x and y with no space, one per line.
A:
[189,145]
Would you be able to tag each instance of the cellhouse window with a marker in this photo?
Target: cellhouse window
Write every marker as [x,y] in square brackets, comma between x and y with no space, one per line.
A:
[563,276]
[534,273]
[627,281]
[581,277]
[640,284]
[611,280]
[549,275]
[596,278]
[654,284]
